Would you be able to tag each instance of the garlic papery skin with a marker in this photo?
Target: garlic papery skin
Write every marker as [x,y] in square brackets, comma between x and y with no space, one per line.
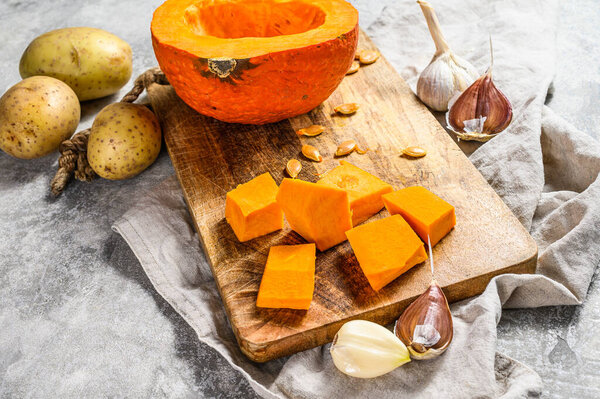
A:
[480,112]
[364,349]
[426,326]
[447,74]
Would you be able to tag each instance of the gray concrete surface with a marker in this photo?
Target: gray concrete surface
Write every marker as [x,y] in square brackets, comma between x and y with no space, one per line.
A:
[78,317]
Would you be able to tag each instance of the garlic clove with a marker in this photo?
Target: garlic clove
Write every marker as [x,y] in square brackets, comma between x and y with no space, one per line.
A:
[365,350]
[426,326]
[480,112]
[447,73]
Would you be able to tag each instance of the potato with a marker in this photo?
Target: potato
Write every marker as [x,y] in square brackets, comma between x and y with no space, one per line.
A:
[36,115]
[93,62]
[125,139]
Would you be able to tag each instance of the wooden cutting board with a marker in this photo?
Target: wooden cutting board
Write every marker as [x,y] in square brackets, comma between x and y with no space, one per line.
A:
[212,157]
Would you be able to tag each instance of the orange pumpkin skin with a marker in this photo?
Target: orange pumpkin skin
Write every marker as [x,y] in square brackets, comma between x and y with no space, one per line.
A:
[255,90]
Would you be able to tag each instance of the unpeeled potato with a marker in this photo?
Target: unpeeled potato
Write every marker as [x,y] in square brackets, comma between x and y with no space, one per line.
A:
[124,140]
[36,115]
[93,62]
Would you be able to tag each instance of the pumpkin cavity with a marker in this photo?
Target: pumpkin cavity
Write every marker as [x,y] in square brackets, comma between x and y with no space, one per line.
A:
[228,20]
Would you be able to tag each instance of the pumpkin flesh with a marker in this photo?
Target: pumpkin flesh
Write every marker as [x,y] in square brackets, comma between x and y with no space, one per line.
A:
[385,249]
[288,280]
[364,190]
[250,61]
[428,215]
[320,214]
[252,210]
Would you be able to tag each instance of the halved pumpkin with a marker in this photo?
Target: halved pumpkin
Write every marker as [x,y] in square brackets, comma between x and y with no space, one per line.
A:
[254,61]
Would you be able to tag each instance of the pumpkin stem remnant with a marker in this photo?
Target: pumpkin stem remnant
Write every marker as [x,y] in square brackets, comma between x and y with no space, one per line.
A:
[73,152]
[221,67]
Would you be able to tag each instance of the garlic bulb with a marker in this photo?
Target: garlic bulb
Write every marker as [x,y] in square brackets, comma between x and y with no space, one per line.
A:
[365,350]
[426,327]
[481,111]
[447,73]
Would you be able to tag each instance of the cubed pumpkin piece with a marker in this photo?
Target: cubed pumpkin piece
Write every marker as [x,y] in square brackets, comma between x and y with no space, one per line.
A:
[252,210]
[289,277]
[364,190]
[319,213]
[385,249]
[427,214]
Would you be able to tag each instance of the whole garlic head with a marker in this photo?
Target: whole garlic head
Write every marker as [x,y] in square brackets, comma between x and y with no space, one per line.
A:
[447,74]
[365,349]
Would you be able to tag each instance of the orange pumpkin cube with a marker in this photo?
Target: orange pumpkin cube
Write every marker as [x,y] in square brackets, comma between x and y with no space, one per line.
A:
[385,249]
[251,209]
[364,190]
[319,213]
[427,214]
[289,277]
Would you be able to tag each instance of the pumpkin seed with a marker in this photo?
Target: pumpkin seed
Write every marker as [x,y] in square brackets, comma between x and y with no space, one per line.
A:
[345,148]
[361,152]
[357,54]
[347,109]
[311,153]
[311,131]
[353,68]
[368,56]
[414,152]
[293,167]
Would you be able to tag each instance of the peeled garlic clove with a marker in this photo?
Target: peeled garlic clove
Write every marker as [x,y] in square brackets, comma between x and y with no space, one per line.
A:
[447,73]
[426,327]
[480,112]
[365,350]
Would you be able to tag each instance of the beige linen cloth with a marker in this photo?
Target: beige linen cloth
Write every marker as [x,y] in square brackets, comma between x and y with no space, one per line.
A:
[545,170]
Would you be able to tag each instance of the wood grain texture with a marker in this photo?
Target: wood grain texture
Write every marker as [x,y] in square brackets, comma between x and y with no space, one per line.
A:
[212,157]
